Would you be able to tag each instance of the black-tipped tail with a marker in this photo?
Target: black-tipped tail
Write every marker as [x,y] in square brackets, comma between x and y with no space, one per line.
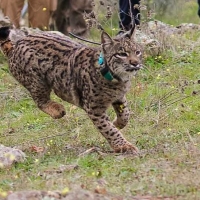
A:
[4,33]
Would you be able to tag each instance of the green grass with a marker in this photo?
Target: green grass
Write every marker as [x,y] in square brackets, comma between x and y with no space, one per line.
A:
[179,11]
[164,124]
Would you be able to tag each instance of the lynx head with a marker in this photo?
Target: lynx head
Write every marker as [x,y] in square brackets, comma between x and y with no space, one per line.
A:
[122,56]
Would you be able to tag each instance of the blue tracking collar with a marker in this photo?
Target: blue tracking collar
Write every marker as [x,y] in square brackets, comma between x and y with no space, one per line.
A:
[105,70]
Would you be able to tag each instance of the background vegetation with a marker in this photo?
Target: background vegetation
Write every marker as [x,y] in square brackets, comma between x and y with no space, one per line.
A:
[174,11]
[164,124]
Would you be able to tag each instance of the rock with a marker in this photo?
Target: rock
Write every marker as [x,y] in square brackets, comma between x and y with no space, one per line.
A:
[76,193]
[9,155]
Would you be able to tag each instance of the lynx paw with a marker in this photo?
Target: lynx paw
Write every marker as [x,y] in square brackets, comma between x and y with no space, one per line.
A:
[55,110]
[127,148]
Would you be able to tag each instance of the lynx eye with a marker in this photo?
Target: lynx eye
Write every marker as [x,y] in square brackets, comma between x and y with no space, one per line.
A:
[137,53]
[122,55]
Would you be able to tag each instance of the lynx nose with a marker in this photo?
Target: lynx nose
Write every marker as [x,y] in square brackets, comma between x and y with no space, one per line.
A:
[134,62]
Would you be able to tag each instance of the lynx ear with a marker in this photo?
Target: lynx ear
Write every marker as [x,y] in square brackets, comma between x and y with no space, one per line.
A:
[105,38]
[129,34]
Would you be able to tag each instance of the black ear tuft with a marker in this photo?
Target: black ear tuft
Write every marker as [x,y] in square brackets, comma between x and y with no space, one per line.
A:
[128,34]
[131,31]
[4,33]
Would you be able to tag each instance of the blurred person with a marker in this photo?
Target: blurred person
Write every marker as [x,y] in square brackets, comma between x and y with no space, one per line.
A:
[129,13]
[199,8]
[39,12]
[69,16]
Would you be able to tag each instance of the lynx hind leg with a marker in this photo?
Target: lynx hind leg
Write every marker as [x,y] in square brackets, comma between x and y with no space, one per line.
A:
[112,134]
[41,96]
[122,112]
[54,109]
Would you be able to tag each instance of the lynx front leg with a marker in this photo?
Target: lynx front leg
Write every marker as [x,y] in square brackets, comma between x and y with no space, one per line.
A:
[112,134]
[122,113]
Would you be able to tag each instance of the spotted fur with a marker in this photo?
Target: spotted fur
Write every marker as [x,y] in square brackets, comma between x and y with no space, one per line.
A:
[44,62]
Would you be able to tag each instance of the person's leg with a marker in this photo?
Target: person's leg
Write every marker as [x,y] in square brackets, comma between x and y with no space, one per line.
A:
[199,8]
[136,11]
[53,7]
[39,13]
[128,13]
[77,23]
[62,16]
[12,9]
[124,14]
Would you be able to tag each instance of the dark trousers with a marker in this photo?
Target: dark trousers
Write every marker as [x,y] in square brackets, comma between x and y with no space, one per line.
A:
[125,11]
[199,8]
